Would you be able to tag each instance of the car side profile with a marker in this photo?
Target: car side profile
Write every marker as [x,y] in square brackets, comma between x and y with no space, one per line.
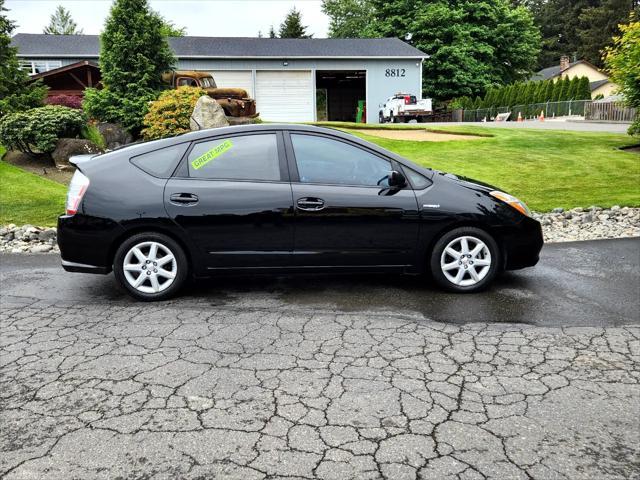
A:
[284,198]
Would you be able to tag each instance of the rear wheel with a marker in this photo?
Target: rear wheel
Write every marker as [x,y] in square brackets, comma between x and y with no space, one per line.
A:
[466,259]
[380,117]
[150,266]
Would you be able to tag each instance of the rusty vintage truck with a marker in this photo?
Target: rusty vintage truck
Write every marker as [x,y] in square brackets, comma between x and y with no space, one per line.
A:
[234,101]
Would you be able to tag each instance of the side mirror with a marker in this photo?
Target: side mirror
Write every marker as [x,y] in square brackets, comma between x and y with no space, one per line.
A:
[396,179]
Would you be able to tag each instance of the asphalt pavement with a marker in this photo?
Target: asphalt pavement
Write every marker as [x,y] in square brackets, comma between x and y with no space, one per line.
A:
[327,376]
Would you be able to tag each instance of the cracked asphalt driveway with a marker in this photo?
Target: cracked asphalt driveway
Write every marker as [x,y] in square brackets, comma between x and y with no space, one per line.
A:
[325,377]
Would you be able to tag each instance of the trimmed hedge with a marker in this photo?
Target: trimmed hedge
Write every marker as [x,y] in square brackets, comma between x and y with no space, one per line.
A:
[38,129]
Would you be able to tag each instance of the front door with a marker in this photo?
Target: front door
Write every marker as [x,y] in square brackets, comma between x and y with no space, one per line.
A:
[346,215]
[233,199]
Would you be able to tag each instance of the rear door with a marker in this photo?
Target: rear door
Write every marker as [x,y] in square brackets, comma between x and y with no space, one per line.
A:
[233,198]
[346,215]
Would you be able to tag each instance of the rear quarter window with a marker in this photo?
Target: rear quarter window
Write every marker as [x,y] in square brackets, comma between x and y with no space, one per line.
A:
[160,163]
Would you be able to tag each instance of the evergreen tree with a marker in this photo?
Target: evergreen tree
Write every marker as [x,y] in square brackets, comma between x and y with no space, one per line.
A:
[133,55]
[566,84]
[550,91]
[347,18]
[61,23]
[573,89]
[16,91]
[598,24]
[292,26]
[584,89]
[471,44]
[557,90]
[169,29]
[272,32]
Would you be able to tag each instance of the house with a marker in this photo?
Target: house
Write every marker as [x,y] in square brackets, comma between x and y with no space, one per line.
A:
[291,79]
[70,79]
[598,80]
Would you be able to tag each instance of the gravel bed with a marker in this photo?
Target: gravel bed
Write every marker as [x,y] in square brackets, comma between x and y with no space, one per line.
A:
[558,226]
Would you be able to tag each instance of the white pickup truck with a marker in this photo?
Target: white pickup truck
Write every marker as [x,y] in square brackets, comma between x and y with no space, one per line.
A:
[403,107]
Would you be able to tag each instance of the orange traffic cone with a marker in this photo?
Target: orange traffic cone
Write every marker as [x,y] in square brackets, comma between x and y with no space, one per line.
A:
[541,117]
[520,116]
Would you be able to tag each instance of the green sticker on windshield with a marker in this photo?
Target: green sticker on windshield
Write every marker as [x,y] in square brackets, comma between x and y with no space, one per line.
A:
[215,152]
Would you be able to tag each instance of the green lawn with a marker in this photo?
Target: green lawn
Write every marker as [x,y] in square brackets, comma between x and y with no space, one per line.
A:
[545,168]
[28,198]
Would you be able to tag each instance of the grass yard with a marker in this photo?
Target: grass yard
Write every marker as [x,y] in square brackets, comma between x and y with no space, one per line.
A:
[26,198]
[545,168]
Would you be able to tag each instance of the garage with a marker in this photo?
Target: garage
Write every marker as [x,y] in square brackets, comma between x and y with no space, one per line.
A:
[291,79]
[285,96]
[234,79]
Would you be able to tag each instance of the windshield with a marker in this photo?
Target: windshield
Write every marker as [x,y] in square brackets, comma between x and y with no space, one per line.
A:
[207,82]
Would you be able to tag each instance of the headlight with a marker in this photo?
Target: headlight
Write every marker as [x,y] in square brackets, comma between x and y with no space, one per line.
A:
[512,201]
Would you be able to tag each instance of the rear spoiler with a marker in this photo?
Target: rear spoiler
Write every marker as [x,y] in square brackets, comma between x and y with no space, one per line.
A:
[78,159]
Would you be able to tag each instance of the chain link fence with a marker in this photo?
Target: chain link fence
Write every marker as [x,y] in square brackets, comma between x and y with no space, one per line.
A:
[529,111]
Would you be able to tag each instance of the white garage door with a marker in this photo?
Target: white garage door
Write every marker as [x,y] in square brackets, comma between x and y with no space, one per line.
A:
[284,96]
[234,78]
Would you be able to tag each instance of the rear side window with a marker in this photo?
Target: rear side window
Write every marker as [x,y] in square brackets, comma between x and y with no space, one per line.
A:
[249,157]
[160,163]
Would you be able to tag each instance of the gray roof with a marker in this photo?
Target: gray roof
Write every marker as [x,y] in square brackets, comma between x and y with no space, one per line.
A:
[80,46]
[547,73]
[597,83]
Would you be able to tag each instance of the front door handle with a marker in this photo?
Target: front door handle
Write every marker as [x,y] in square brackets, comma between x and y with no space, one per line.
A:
[310,204]
[183,199]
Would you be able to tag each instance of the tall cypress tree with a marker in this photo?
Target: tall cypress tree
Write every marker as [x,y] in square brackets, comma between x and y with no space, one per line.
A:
[133,55]
[61,23]
[16,91]
[573,88]
[584,89]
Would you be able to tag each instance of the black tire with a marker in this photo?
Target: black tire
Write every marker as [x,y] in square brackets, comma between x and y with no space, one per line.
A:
[380,118]
[436,256]
[181,265]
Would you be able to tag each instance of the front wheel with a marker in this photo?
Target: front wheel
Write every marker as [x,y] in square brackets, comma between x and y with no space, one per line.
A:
[466,259]
[150,266]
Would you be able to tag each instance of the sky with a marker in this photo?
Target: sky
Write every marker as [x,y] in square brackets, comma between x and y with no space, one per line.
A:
[209,18]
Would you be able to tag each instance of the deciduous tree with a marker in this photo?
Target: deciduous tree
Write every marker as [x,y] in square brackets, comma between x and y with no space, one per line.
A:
[471,44]
[623,62]
[347,18]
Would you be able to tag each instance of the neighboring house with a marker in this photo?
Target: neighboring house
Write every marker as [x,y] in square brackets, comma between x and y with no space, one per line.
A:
[71,79]
[285,76]
[598,80]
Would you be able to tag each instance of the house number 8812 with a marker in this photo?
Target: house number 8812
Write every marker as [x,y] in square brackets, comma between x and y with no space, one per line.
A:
[394,72]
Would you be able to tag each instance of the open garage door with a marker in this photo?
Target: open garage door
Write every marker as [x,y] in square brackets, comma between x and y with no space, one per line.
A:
[339,93]
[284,96]
[234,79]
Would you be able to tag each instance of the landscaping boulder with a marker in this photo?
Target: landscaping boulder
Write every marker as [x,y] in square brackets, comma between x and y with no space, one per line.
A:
[114,135]
[68,147]
[207,114]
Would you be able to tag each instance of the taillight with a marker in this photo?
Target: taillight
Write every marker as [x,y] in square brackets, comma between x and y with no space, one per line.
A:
[77,189]
[407,100]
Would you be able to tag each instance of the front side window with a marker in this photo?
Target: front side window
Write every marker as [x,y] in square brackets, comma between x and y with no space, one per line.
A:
[250,157]
[323,160]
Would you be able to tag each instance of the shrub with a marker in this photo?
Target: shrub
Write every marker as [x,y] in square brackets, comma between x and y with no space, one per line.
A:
[170,114]
[38,129]
[90,132]
[71,101]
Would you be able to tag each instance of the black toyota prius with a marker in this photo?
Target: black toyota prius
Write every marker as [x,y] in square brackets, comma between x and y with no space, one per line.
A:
[284,198]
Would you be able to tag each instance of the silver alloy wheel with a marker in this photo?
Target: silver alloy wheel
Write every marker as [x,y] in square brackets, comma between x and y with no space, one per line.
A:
[465,261]
[150,267]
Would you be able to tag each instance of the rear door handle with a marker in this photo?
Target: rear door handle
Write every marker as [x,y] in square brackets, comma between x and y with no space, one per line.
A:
[183,199]
[310,204]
